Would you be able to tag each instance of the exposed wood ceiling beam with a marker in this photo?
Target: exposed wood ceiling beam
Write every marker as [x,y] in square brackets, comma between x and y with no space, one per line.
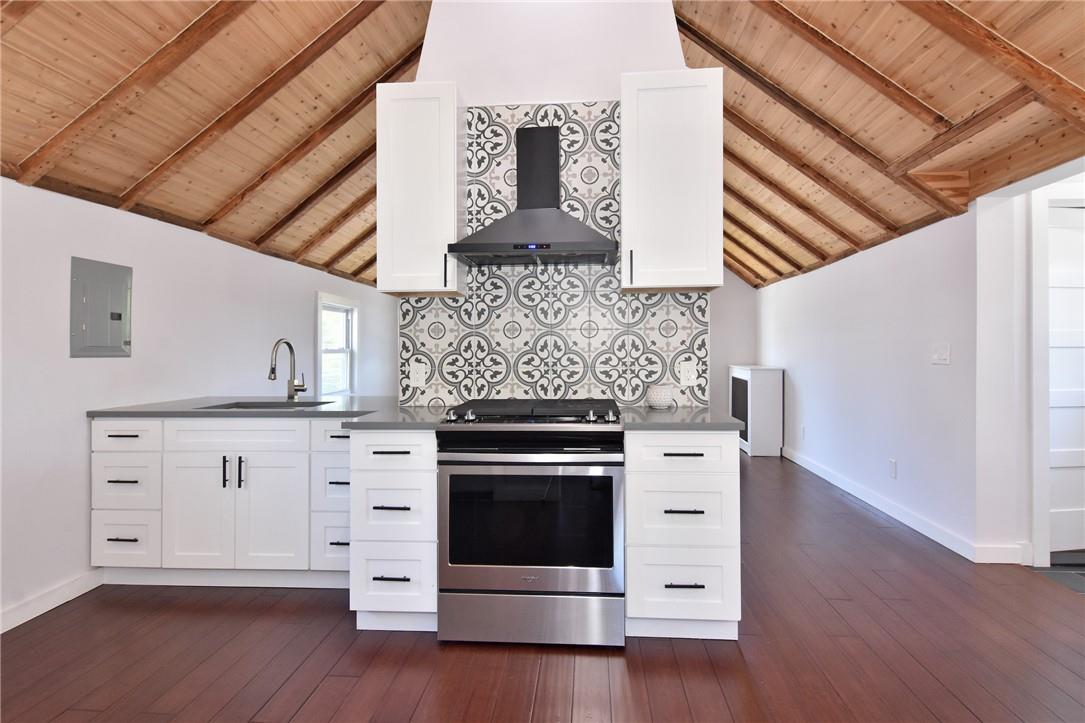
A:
[758,238]
[761,278]
[822,125]
[252,100]
[340,220]
[122,95]
[318,136]
[800,203]
[982,119]
[852,63]
[359,241]
[13,11]
[772,263]
[364,266]
[313,199]
[786,229]
[1054,90]
[746,276]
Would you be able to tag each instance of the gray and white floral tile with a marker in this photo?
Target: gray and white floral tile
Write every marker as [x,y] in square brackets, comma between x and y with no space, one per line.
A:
[551,331]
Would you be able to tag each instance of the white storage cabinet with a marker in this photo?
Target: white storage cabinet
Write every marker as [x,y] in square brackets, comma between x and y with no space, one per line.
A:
[757,398]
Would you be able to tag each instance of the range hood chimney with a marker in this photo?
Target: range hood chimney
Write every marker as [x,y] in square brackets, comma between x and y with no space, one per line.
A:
[537,232]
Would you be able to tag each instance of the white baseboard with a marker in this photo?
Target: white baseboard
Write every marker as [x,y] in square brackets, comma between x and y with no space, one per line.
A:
[1013,554]
[226,578]
[421,622]
[945,537]
[701,629]
[19,613]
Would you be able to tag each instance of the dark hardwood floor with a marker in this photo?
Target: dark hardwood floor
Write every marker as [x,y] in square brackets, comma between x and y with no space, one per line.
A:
[848,616]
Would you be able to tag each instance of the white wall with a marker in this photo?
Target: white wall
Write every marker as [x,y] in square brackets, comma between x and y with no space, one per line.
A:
[732,332]
[205,314]
[546,51]
[856,340]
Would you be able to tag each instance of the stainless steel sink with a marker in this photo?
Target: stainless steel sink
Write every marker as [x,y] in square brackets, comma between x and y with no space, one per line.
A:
[266,405]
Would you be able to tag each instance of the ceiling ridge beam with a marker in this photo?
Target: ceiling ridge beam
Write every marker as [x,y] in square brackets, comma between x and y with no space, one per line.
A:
[858,67]
[349,248]
[763,257]
[800,203]
[982,119]
[1052,88]
[318,136]
[325,189]
[338,221]
[819,123]
[130,89]
[252,100]
[746,229]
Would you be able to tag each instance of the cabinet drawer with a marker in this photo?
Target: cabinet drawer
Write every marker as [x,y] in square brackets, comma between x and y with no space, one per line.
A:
[393,506]
[393,576]
[237,435]
[683,584]
[126,538]
[329,541]
[126,480]
[393,450]
[329,482]
[328,435]
[681,451]
[126,435]
[682,509]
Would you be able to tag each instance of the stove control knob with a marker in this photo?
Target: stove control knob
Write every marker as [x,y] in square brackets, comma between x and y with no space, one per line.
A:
[469,416]
[611,416]
[591,416]
[451,416]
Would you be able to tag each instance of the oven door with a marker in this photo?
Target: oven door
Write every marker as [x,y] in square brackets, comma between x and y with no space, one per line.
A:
[547,528]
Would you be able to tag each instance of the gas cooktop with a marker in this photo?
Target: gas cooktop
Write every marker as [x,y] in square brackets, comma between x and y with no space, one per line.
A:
[527,411]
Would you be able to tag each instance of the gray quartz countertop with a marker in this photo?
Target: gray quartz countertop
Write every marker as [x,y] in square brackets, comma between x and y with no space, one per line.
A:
[336,407]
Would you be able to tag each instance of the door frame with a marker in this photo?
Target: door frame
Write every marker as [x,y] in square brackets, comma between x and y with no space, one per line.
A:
[1039,336]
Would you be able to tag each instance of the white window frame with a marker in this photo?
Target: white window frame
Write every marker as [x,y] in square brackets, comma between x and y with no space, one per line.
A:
[325,299]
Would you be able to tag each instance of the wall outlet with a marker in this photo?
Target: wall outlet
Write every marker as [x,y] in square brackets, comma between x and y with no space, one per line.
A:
[941,353]
[417,375]
[687,373]
[892,468]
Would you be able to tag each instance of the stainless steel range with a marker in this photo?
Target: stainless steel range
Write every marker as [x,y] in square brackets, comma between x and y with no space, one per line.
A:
[530,526]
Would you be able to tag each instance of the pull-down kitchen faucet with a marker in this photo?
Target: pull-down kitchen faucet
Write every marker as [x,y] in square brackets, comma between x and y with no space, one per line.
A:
[293,386]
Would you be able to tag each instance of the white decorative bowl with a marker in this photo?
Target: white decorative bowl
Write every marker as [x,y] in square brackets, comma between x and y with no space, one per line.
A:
[661,396]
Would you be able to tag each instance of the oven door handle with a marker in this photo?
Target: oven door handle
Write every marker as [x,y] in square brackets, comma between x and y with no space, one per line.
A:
[549,458]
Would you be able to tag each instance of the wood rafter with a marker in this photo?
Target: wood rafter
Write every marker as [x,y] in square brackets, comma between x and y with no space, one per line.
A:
[364,266]
[352,246]
[318,136]
[742,273]
[772,263]
[853,63]
[821,124]
[749,231]
[122,95]
[1052,89]
[13,11]
[789,231]
[800,203]
[330,186]
[761,278]
[252,100]
[340,220]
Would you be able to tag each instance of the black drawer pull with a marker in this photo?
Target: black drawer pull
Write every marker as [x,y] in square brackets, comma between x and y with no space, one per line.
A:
[683,512]
[122,481]
[339,436]
[684,586]
[683,454]
[337,482]
[385,578]
[393,508]
[123,436]
[339,543]
[391,451]
[122,539]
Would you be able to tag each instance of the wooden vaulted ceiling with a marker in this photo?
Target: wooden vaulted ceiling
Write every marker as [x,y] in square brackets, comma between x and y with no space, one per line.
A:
[846,124]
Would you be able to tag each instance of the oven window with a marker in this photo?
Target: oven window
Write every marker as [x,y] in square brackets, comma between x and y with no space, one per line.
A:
[531,520]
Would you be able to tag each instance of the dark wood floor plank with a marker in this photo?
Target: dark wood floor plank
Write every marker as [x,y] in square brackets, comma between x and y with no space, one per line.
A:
[360,654]
[516,692]
[325,700]
[628,691]
[487,671]
[368,693]
[666,696]
[591,687]
[554,692]
[403,695]
[738,686]
[448,695]
[703,692]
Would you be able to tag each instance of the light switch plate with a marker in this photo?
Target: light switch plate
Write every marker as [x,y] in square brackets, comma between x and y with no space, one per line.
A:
[687,373]
[941,353]
[417,375]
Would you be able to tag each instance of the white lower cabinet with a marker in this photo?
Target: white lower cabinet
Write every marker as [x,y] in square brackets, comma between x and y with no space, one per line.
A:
[272,531]
[677,583]
[199,510]
[682,509]
[329,541]
[393,576]
[126,538]
[126,480]
[388,506]
[329,482]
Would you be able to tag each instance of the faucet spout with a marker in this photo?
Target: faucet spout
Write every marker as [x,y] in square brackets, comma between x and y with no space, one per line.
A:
[293,384]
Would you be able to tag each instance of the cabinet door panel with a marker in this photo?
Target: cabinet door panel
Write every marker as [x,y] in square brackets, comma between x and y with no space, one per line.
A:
[272,510]
[329,482]
[197,510]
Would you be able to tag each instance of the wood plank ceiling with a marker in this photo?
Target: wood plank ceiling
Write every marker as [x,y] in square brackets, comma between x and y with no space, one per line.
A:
[847,123]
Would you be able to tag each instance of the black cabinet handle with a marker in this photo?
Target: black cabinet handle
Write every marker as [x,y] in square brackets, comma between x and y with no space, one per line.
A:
[683,512]
[225,471]
[385,578]
[122,481]
[339,436]
[683,454]
[391,451]
[630,267]
[394,508]
[445,284]
[240,478]
[337,482]
[684,586]
[122,539]
[123,436]
[338,543]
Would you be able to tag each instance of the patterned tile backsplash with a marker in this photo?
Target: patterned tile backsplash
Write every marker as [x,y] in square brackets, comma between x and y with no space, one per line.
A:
[562,331]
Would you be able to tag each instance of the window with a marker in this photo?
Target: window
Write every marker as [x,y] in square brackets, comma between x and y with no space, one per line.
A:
[336,348]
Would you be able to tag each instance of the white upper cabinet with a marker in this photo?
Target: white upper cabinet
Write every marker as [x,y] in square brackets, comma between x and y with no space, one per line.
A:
[672,179]
[417,190]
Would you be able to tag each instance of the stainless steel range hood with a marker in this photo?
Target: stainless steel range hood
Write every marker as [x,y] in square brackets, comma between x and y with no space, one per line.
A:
[537,232]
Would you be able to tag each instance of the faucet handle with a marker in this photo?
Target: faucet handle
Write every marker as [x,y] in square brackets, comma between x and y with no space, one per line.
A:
[300,387]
